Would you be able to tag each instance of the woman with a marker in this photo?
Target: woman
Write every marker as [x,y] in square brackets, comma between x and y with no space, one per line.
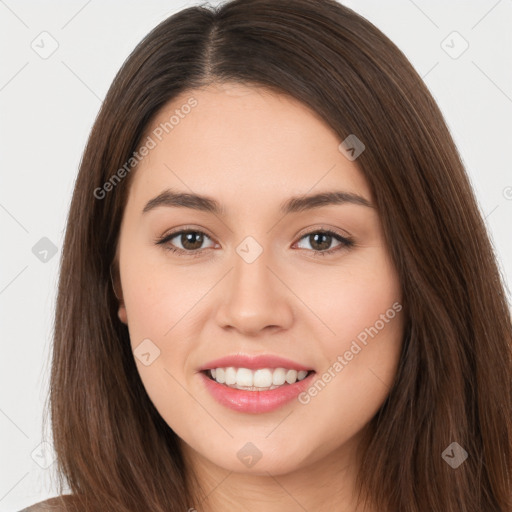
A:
[277,291]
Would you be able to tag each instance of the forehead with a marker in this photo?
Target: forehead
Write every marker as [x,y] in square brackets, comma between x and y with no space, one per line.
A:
[233,140]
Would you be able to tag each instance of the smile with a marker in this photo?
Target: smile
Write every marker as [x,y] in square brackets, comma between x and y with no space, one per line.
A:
[262,379]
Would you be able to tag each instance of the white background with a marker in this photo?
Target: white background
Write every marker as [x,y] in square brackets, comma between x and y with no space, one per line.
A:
[48,107]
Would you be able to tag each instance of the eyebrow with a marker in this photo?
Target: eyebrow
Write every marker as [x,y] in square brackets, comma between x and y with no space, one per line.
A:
[172,198]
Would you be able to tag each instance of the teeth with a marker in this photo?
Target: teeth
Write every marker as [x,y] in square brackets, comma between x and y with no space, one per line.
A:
[220,375]
[262,378]
[245,377]
[230,376]
[279,377]
[253,380]
[291,376]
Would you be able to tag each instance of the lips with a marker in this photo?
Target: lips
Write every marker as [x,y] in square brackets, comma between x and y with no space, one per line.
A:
[253,400]
[254,362]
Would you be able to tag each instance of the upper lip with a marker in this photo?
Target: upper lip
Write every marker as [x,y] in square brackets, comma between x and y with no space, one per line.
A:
[254,362]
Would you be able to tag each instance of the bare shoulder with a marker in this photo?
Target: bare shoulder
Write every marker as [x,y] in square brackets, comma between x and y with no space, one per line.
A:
[56,504]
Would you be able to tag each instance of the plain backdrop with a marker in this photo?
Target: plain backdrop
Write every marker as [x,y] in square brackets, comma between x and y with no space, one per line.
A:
[48,103]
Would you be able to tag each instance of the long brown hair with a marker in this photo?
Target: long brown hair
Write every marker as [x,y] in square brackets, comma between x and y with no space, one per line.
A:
[453,384]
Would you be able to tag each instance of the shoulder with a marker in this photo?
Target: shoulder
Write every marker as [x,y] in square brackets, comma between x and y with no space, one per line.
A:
[56,504]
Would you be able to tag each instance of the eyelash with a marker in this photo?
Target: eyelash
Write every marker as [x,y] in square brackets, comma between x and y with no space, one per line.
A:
[346,242]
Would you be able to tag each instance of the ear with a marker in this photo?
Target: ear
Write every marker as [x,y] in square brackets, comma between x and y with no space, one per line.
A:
[118,291]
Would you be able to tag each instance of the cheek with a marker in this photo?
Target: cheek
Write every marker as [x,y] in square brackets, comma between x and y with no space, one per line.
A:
[157,297]
[353,301]
[159,307]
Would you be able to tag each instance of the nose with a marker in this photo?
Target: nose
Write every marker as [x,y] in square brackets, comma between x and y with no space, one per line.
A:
[254,297]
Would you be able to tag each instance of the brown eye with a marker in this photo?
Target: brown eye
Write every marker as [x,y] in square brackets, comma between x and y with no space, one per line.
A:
[320,242]
[185,241]
[191,240]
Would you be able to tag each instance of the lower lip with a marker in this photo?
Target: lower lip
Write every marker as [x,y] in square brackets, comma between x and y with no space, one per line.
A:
[255,402]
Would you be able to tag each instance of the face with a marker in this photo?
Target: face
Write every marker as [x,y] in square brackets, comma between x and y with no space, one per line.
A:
[303,292]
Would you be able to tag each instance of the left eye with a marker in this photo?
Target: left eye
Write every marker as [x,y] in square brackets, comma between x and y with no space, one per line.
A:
[192,240]
[323,239]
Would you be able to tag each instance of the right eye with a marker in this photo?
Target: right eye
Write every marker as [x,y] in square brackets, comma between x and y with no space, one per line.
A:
[190,241]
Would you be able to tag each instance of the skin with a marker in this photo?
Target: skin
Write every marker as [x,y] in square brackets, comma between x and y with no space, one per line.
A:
[251,149]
